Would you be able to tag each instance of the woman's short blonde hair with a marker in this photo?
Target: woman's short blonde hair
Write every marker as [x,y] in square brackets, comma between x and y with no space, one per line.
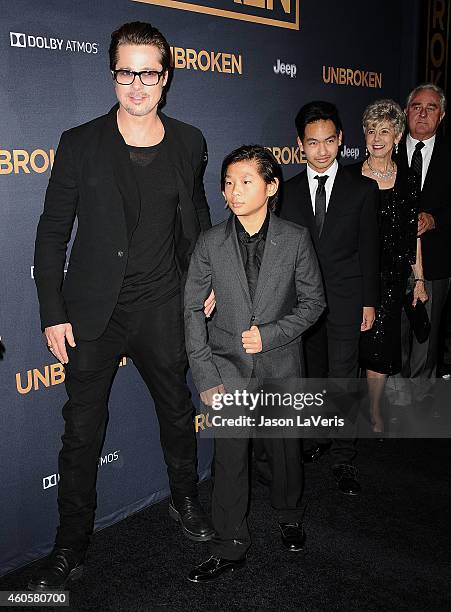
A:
[384,110]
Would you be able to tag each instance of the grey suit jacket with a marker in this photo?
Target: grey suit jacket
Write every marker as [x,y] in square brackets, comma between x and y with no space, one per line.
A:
[289,298]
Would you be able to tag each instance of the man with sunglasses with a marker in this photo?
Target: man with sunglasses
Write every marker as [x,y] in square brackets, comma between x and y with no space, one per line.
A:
[134,180]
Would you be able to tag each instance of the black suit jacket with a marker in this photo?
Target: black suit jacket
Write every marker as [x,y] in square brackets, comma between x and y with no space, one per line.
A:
[91,178]
[348,249]
[435,198]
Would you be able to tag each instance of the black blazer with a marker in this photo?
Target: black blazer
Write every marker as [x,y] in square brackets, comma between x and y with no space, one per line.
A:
[348,249]
[91,177]
[435,198]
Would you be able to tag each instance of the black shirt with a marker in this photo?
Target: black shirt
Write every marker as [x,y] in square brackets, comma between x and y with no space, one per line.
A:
[151,276]
[244,237]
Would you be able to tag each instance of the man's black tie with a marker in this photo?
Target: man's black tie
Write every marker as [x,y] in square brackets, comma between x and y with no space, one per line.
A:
[417,163]
[320,202]
[252,267]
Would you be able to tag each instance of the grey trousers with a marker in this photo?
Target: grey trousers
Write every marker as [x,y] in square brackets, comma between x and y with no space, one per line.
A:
[419,361]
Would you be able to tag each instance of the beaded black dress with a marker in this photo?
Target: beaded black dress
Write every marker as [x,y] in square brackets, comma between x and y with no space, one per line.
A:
[380,347]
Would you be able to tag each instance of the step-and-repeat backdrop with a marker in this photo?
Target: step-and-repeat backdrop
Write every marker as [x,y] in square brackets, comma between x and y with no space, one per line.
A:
[242,69]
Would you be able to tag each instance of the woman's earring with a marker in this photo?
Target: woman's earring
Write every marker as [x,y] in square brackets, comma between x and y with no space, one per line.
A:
[366,152]
[396,149]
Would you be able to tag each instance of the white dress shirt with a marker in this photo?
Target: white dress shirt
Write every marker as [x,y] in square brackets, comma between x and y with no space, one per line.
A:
[426,153]
[313,183]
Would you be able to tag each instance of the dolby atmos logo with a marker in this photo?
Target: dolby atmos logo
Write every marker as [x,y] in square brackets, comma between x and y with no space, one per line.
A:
[32,41]
[53,479]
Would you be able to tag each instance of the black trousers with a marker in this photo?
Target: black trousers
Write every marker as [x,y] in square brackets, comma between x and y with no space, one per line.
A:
[154,339]
[230,499]
[332,351]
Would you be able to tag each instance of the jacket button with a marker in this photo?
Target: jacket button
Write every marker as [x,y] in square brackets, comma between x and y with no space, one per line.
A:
[120,253]
[252,318]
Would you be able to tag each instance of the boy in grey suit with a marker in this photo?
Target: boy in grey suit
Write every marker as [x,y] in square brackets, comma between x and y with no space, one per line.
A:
[268,290]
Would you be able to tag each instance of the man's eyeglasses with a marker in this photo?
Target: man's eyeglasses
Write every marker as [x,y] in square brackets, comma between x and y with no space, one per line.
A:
[147,77]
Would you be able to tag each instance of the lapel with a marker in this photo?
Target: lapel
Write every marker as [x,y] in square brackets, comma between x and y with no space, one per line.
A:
[306,204]
[179,157]
[434,168]
[303,207]
[113,147]
[269,261]
[271,254]
[231,243]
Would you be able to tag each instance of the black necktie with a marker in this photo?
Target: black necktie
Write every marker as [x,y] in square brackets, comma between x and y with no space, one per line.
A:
[252,268]
[416,164]
[320,202]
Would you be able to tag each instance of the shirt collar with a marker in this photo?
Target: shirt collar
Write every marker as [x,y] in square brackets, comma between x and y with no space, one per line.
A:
[427,143]
[330,172]
[245,237]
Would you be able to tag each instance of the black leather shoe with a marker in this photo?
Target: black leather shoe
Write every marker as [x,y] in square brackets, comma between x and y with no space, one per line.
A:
[62,566]
[293,536]
[346,477]
[195,523]
[315,452]
[213,568]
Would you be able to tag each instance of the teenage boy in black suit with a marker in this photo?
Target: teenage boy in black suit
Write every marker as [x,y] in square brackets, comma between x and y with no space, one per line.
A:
[340,210]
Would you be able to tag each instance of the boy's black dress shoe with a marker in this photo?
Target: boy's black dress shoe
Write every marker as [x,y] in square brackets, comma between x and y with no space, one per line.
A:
[61,567]
[315,452]
[346,477]
[189,513]
[293,536]
[213,568]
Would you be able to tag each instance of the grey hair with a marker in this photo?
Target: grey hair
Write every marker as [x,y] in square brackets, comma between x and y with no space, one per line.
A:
[384,110]
[438,90]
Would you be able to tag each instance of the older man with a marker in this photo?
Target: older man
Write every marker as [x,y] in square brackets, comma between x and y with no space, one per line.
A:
[428,155]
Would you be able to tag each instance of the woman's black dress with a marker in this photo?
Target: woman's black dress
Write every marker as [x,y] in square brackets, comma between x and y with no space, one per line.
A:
[380,347]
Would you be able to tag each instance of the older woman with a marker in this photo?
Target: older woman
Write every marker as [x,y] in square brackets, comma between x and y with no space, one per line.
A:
[380,348]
